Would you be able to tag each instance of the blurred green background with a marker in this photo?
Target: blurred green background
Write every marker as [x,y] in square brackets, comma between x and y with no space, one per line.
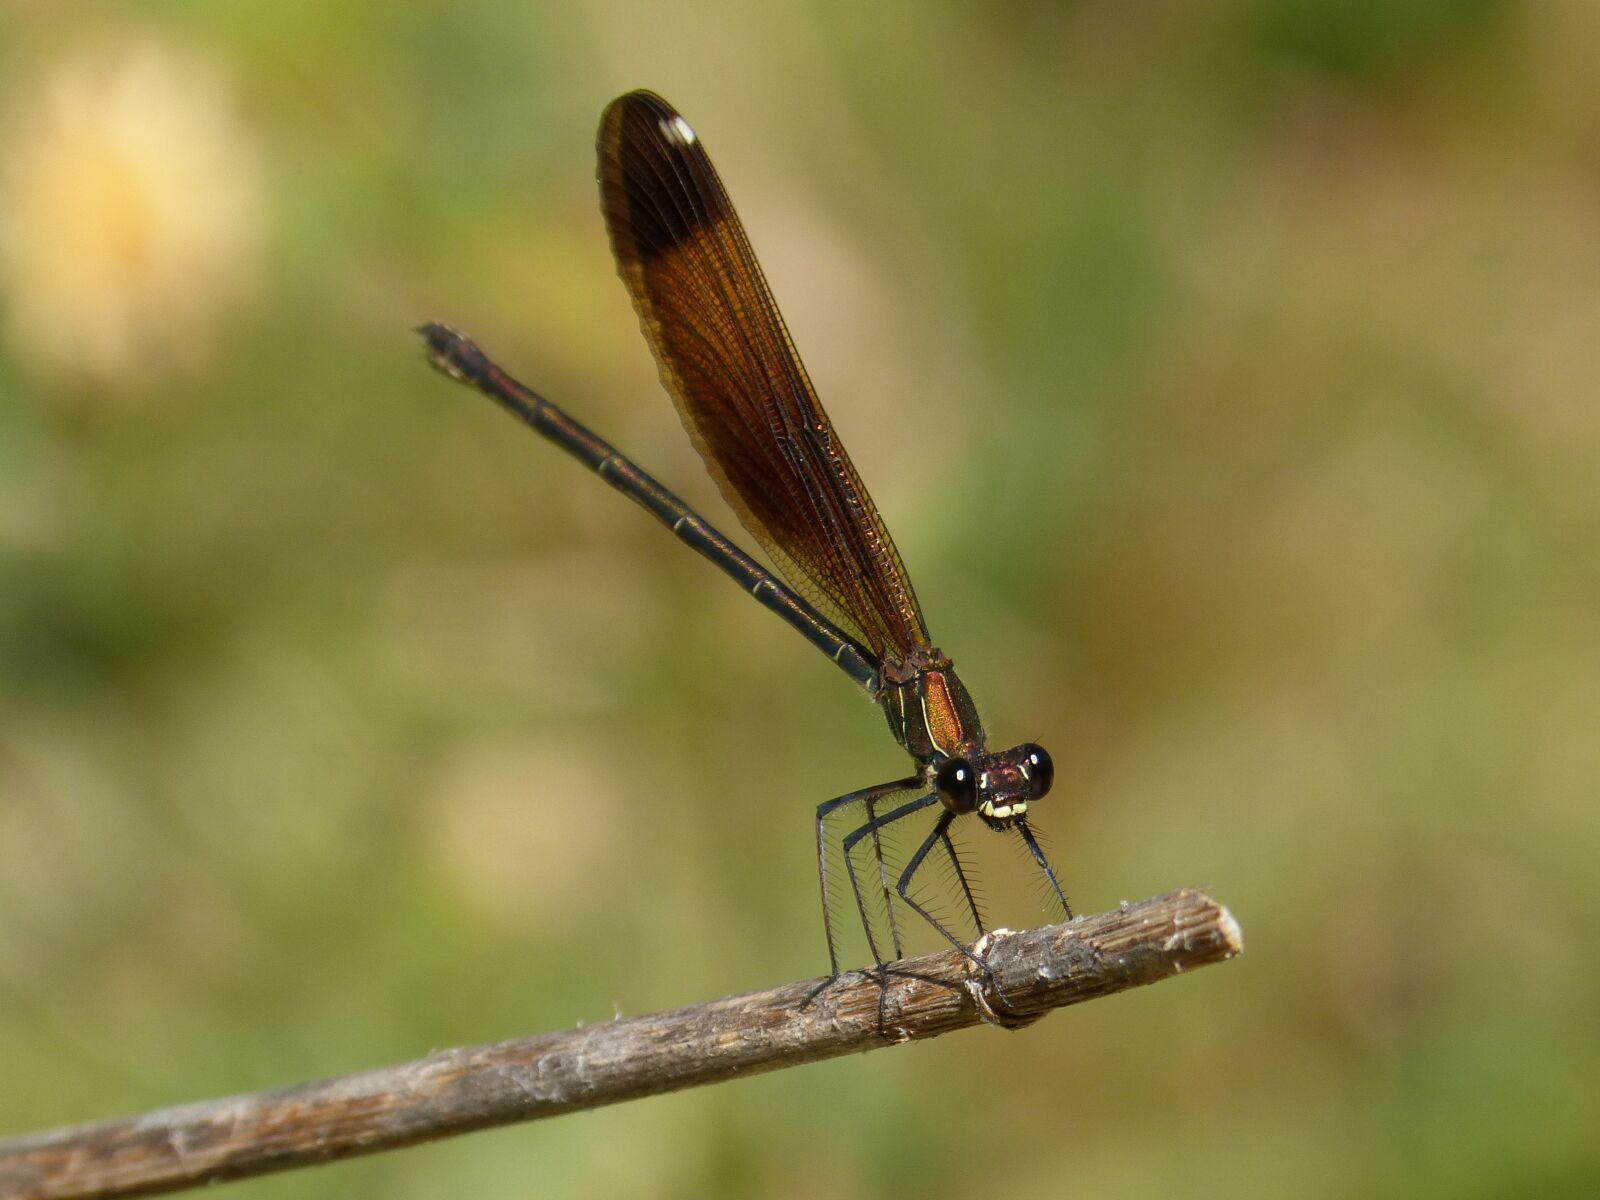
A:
[1225,372]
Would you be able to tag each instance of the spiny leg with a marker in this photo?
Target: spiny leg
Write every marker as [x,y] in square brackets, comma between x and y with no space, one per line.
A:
[871,828]
[961,878]
[883,878]
[868,796]
[941,830]
[1044,865]
[941,833]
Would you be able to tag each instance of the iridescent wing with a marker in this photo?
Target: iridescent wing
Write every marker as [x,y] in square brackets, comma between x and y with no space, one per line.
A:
[726,358]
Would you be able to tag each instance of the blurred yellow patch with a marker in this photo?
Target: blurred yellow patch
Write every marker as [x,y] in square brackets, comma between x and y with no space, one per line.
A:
[528,833]
[130,216]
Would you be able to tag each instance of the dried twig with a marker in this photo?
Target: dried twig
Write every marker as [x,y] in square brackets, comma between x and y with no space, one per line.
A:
[455,1091]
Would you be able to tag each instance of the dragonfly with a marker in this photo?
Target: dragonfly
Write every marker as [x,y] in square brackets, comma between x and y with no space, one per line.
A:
[726,358]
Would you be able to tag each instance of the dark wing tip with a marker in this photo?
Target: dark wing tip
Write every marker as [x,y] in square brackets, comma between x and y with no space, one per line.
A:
[635,106]
[657,185]
[643,98]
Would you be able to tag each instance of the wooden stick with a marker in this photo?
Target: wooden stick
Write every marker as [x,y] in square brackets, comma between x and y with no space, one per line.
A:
[454,1091]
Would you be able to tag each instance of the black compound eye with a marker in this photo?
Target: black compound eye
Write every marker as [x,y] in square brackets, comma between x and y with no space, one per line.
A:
[1041,771]
[958,784]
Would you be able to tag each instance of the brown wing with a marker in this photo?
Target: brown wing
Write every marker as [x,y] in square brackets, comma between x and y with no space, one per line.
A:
[726,358]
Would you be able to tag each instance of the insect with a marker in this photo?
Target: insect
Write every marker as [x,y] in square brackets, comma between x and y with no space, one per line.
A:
[726,358]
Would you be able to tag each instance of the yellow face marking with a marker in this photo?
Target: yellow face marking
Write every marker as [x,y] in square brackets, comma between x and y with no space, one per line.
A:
[1002,811]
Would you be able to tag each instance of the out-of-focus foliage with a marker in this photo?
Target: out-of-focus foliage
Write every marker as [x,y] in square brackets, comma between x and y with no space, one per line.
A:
[1226,372]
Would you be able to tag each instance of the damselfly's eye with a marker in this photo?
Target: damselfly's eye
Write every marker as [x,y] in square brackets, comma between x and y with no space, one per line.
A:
[1041,771]
[958,785]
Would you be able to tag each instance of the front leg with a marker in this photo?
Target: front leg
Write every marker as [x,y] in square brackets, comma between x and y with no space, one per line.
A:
[940,832]
[961,878]
[1044,865]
